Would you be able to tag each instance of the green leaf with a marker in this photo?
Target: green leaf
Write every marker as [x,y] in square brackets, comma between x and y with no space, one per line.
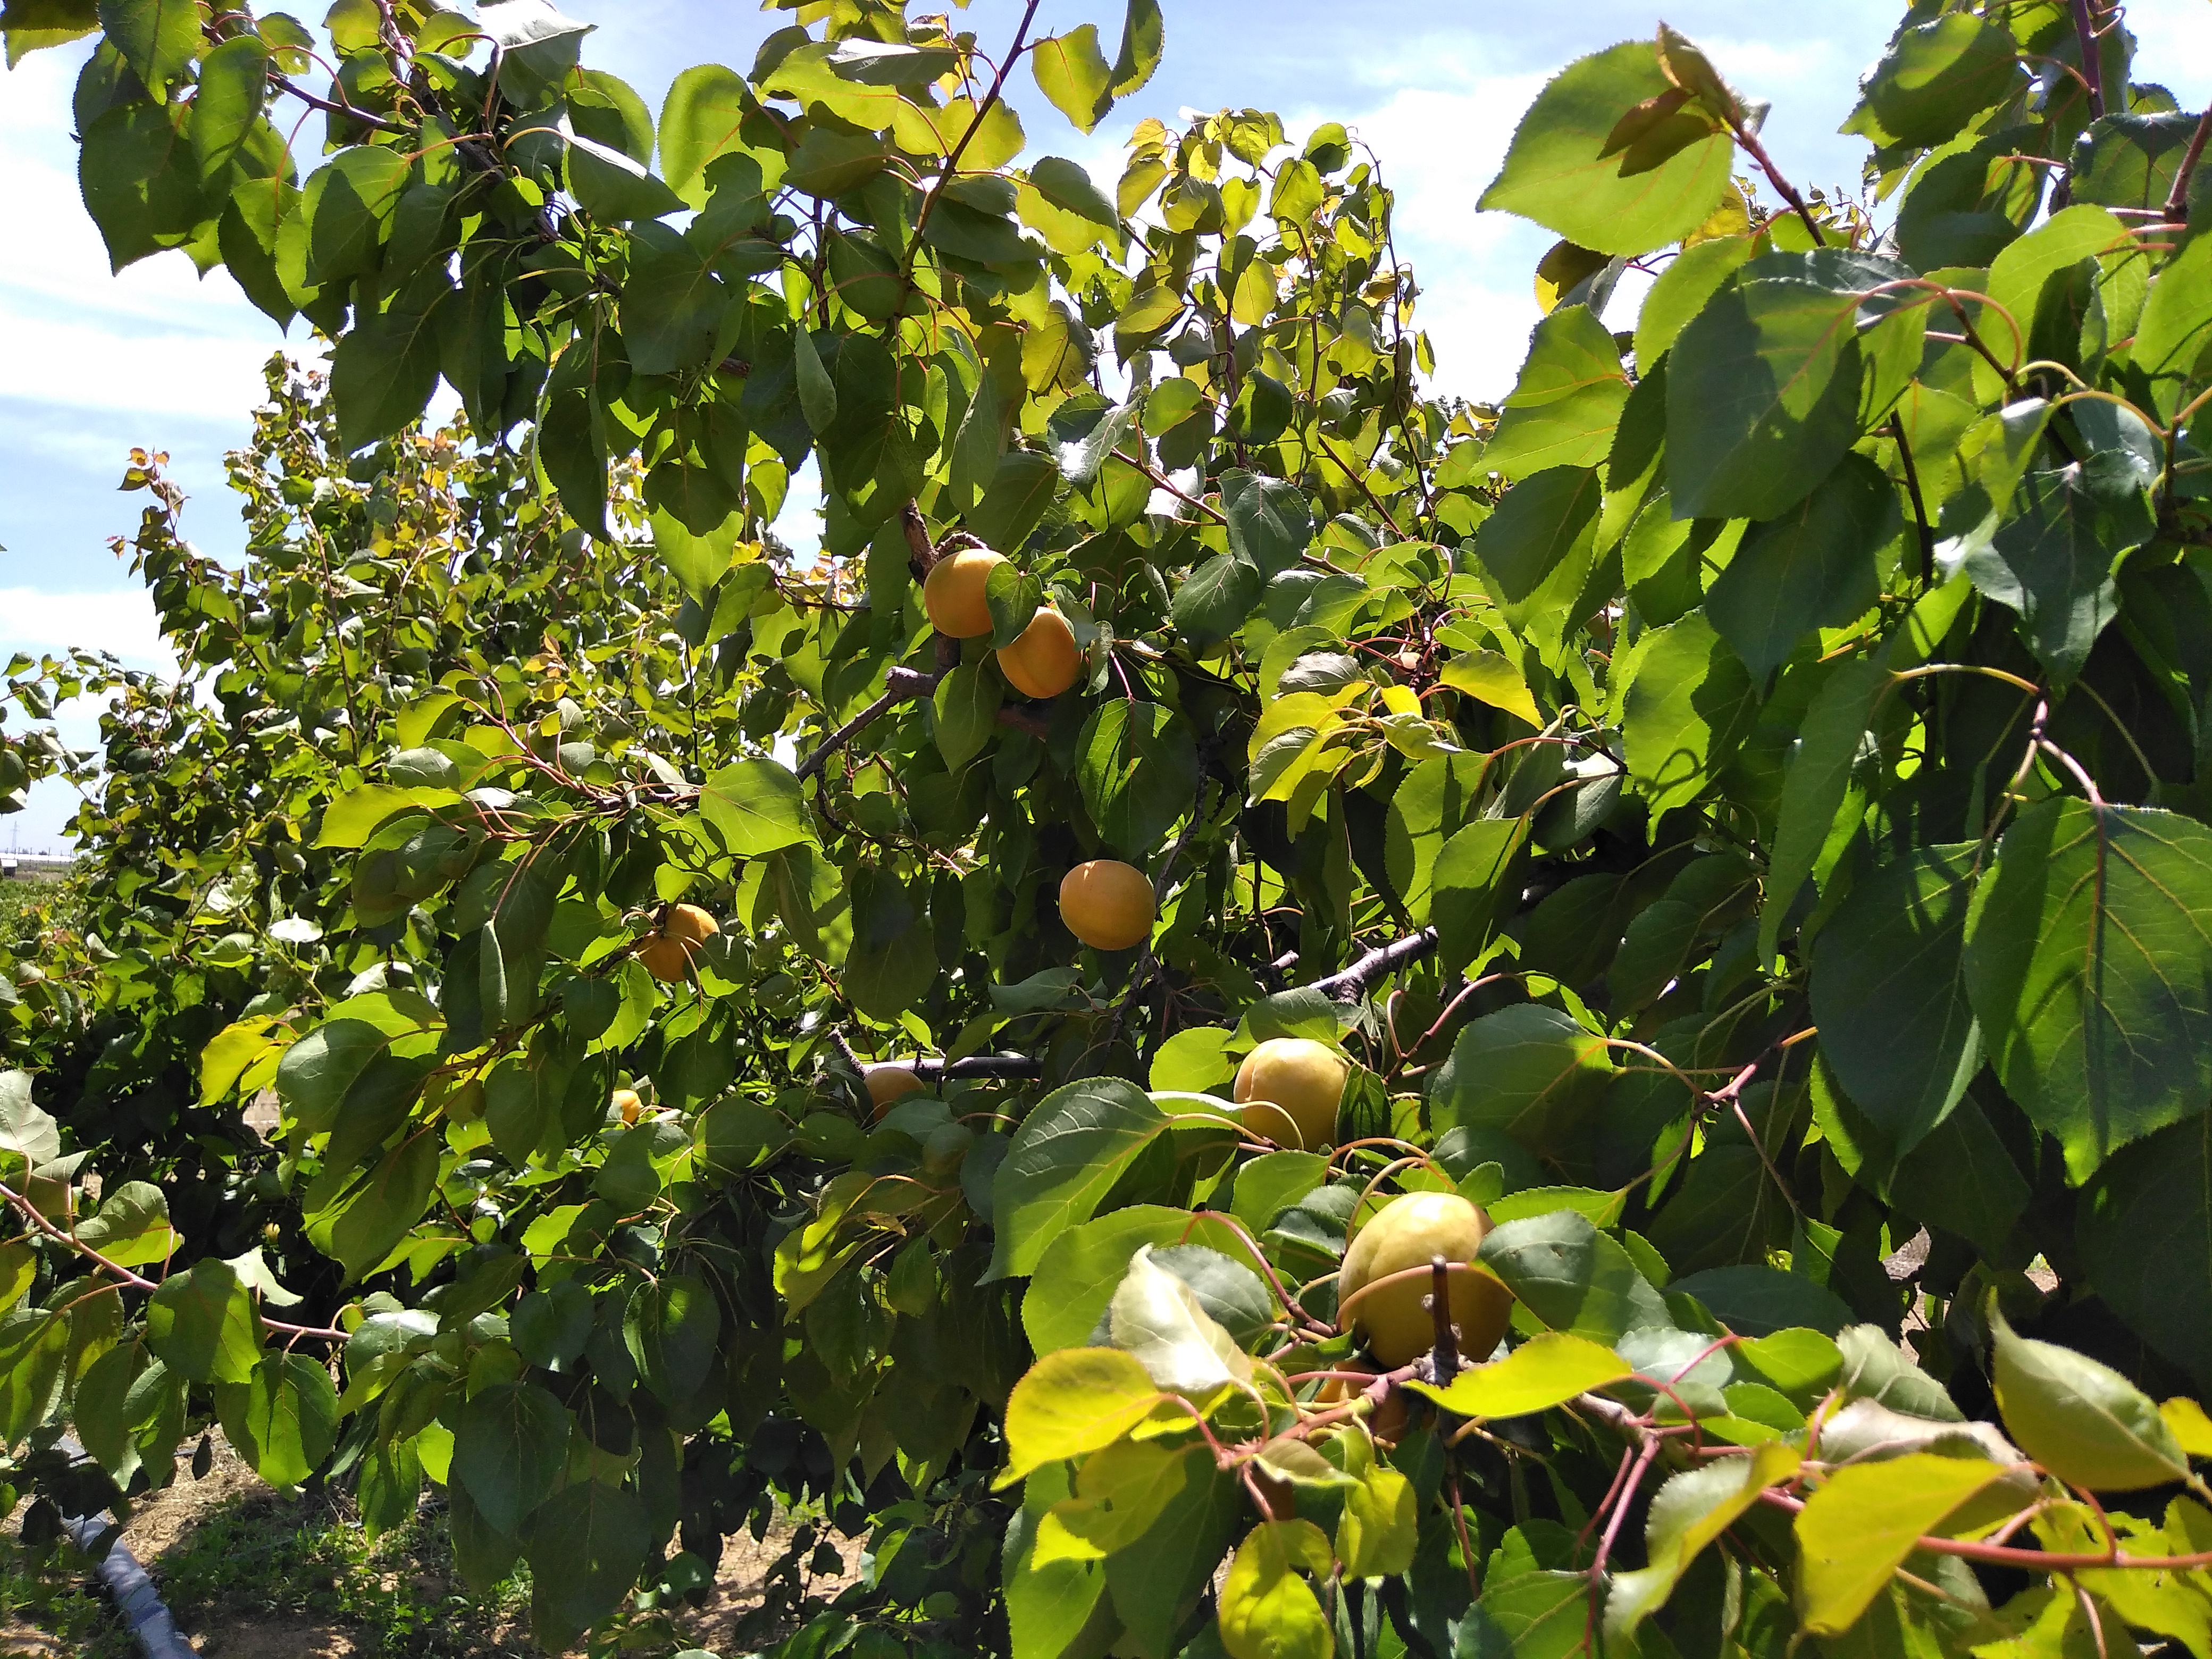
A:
[1763,386]
[1267,1611]
[1573,1278]
[1563,410]
[2128,161]
[2087,964]
[203,1325]
[139,182]
[1935,78]
[510,1445]
[1070,1151]
[1071,1402]
[1862,1523]
[699,122]
[698,559]
[1474,885]
[27,1133]
[1212,602]
[35,25]
[351,819]
[233,88]
[671,1327]
[2082,1421]
[1815,787]
[1753,1299]
[383,372]
[1121,1491]
[1895,1022]
[1690,1511]
[1269,521]
[158,38]
[1563,171]
[1815,566]
[284,1422]
[351,205]
[381,1211]
[1048,1604]
[2145,1231]
[131,1228]
[1072,71]
[1546,1370]
[817,394]
[1379,1533]
[2050,556]
[1689,707]
[1679,292]
[967,702]
[1528,1071]
[1020,494]
[1144,38]
[1137,766]
[587,1544]
[672,302]
[755,808]
[18,1270]
[1076,1276]
[2175,332]
[1541,526]
[1160,1320]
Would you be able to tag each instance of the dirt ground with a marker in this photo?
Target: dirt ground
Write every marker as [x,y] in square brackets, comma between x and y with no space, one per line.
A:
[166,1520]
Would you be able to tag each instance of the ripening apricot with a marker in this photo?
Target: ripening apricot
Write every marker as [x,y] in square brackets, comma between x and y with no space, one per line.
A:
[628,1104]
[889,1082]
[1409,1233]
[668,951]
[1290,1088]
[1107,904]
[952,593]
[1044,661]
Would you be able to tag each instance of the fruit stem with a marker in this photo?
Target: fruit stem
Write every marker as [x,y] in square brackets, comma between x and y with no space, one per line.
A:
[1447,1348]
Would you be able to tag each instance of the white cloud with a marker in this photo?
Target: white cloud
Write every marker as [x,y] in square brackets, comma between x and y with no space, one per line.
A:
[155,337]
[120,621]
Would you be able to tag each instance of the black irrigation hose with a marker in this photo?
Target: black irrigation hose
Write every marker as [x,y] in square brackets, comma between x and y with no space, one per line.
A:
[126,1583]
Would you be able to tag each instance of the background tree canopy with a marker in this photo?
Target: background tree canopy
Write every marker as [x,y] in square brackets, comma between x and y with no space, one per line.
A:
[1735,811]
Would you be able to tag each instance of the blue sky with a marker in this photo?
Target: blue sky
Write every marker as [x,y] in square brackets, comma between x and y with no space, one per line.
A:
[93,364]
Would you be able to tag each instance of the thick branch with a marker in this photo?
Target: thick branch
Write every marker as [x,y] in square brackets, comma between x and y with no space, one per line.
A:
[2093,66]
[900,685]
[979,1065]
[1352,981]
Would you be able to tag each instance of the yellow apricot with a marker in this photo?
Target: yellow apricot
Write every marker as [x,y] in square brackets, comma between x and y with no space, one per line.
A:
[952,593]
[628,1104]
[1107,904]
[667,951]
[1044,661]
[1290,1088]
[1409,1233]
[888,1081]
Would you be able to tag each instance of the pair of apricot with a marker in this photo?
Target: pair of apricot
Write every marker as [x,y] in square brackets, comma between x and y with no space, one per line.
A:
[1044,662]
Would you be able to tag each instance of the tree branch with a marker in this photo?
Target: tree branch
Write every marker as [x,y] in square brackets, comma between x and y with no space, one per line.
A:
[900,685]
[979,1065]
[2177,201]
[1377,962]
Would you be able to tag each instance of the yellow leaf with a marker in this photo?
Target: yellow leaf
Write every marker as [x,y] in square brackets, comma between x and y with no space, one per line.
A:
[2189,1426]
[1071,1403]
[1545,1371]
[1487,676]
[1857,1530]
